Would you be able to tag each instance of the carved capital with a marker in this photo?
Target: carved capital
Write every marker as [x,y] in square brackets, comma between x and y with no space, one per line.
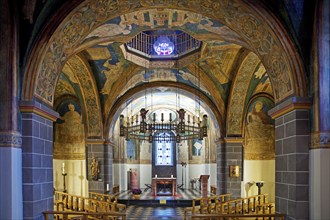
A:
[320,140]
[10,139]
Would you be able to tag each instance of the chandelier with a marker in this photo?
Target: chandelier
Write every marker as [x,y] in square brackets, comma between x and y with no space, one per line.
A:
[163,131]
[178,126]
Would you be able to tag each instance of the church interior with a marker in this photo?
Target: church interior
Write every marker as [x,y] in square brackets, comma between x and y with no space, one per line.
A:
[204,109]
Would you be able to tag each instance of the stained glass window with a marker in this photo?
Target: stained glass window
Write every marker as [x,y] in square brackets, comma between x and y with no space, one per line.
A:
[163,46]
[164,154]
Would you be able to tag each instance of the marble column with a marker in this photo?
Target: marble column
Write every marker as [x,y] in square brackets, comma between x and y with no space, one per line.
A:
[292,135]
[11,195]
[37,158]
[320,138]
[229,153]
[102,151]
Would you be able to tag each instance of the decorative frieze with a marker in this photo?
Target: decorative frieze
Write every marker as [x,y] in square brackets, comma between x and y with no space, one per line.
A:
[10,139]
[320,140]
[234,14]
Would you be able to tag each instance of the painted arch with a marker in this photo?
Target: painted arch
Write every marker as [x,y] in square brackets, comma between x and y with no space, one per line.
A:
[249,22]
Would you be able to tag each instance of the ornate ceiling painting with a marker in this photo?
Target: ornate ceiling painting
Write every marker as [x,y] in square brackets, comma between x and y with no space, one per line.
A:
[89,94]
[63,88]
[240,58]
[238,94]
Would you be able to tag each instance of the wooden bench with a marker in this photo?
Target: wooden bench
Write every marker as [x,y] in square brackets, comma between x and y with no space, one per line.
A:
[113,199]
[206,204]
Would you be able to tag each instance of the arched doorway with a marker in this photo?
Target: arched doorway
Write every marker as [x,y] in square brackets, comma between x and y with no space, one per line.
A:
[285,74]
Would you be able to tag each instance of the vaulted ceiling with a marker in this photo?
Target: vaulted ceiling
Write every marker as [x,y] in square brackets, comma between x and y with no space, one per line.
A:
[225,70]
[242,58]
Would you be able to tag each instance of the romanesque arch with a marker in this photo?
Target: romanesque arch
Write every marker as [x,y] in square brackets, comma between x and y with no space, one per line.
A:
[275,49]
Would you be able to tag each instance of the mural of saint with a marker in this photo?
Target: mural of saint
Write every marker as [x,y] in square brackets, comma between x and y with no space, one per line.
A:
[69,140]
[259,134]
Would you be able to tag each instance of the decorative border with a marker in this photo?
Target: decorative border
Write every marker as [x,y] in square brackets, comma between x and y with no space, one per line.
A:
[10,139]
[237,140]
[290,104]
[320,140]
[89,92]
[96,141]
[237,97]
[38,111]
[239,17]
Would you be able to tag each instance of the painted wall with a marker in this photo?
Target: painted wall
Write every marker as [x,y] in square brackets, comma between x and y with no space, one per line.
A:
[259,170]
[76,182]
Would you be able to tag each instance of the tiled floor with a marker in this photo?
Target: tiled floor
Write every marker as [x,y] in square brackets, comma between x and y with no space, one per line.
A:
[187,194]
[150,211]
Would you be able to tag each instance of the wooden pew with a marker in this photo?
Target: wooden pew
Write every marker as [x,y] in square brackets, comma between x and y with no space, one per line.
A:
[206,204]
[68,202]
[103,197]
[81,215]
[252,204]
[116,207]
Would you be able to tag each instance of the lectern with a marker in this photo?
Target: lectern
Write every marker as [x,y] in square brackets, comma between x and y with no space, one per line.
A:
[204,180]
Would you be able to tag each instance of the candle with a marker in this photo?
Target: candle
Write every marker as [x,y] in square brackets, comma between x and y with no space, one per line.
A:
[172,176]
[63,167]
[156,175]
[108,188]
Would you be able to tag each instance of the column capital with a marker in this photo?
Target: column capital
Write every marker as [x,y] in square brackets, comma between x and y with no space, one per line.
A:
[290,104]
[10,139]
[235,140]
[38,109]
[96,141]
[320,140]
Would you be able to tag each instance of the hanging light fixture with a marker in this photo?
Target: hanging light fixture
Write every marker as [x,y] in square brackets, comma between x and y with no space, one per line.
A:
[138,127]
[178,126]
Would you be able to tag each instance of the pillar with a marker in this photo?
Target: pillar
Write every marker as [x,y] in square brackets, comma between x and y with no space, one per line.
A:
[229,153]
[102,151]
[11,196]
[292,132]
[37,158]
[320,138]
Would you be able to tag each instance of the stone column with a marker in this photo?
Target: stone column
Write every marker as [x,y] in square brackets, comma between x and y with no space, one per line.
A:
[292,135]
[229,154]
[37,154]
[320,139]
[102,151]
[11,196]
[11,201]
[220,161]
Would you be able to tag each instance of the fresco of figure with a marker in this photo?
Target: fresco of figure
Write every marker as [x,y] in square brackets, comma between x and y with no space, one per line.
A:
[69,141]
[259,134]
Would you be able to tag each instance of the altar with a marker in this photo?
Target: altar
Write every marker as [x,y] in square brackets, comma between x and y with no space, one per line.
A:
[164,186]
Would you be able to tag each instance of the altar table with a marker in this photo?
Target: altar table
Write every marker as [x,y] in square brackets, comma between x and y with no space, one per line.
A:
[157,182]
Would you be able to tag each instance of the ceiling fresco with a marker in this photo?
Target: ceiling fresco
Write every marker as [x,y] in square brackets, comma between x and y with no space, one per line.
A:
[224,70]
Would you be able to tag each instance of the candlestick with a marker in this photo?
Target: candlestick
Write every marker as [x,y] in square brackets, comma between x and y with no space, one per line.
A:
[64,185]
